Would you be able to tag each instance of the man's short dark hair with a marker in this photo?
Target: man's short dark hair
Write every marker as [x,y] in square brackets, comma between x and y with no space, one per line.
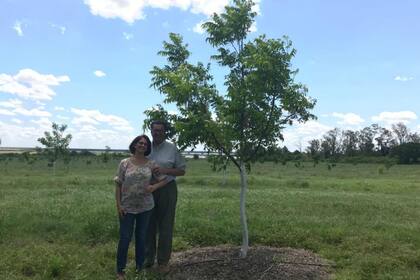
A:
[158,122]
[132,146]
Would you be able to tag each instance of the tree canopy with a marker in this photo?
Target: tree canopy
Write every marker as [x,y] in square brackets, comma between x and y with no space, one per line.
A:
[261,97]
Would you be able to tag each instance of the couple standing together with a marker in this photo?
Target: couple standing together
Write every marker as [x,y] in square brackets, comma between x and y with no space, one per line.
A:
[146,195]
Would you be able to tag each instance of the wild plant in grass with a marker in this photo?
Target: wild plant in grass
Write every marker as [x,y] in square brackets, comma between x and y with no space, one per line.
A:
[5,159]
[55,266]
[105,155]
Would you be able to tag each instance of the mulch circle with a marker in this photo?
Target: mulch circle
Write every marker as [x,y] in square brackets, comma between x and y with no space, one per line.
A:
[261,263]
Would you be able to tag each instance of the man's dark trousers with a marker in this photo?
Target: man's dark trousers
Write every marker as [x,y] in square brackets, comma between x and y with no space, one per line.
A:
[161,225]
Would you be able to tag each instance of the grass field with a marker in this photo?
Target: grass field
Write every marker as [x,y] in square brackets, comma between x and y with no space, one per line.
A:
[364,218]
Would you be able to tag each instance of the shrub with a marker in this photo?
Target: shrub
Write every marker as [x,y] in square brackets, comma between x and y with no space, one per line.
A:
[407,153]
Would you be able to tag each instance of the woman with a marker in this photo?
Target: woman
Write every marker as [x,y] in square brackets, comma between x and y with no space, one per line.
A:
[133,195]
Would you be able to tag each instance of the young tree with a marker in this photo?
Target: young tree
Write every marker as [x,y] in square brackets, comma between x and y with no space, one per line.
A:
[261,99]
[414,137]
[314,150]
[407,153]
[56,143]
[366,137]
[384,141]
[401,132]
[349,142]
[105,155]
[331,143]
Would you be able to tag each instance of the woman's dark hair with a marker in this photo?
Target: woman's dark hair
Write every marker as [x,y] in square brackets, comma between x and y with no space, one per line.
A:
[132,146]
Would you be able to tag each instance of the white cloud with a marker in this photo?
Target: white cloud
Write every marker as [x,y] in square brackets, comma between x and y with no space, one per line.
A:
[128,36]
[389,118]
[86,136]
[89,136]
[61,28]
[16,121]
[62,117]
[58,108]
[6,112]
[198,28]
[256,7]
[83,120]
[132,10]
[43,123]
[16,107]
[30,84]
[94,117]
[127,10]
[403,78]
[11,103]
[39,103]
[348,119]
[37,112]
[18,28]
[99,73]
[13,135]
[298,136]
[207,7]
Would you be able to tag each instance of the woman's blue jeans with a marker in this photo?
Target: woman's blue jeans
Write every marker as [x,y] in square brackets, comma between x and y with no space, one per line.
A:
[127,223]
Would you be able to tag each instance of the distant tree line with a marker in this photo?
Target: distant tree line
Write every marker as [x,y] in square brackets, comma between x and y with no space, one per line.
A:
[370,144]
[370,141]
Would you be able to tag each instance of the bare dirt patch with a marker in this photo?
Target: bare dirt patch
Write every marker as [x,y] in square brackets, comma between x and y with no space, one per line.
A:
[262,263]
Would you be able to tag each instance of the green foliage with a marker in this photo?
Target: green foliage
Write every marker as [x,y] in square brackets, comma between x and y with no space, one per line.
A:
[261,97]
[407,153]
[105,156]
[29,158]
[363,145]
[159,113]
[55,142]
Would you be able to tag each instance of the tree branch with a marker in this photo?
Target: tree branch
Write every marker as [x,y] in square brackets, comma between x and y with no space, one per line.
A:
[273,104]
[224,150]
[233,46]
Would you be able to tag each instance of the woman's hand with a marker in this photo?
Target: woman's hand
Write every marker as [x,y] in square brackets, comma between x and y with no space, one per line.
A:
[150,188]
[158,171]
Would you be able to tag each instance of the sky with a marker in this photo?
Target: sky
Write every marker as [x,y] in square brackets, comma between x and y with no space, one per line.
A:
[86,63]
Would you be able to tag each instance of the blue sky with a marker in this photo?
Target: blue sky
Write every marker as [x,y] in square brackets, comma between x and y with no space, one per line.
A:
[86,63]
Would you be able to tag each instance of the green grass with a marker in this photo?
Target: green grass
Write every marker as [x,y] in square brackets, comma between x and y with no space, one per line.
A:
[364,218]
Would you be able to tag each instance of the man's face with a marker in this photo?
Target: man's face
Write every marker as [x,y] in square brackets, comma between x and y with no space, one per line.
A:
[158,133]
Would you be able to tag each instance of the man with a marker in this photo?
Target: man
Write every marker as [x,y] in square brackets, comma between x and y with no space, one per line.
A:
[161,225]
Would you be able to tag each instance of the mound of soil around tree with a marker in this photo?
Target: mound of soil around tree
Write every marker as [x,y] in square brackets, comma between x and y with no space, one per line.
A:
[261,263]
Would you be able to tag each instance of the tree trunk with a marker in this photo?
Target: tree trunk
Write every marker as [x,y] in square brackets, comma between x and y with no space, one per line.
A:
[224,177]
[245,245]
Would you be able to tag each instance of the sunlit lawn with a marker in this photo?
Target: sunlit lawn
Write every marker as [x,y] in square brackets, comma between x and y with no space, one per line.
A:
[364,218]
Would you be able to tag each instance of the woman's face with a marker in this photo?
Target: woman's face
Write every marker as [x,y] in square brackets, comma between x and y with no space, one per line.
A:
[141,145]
